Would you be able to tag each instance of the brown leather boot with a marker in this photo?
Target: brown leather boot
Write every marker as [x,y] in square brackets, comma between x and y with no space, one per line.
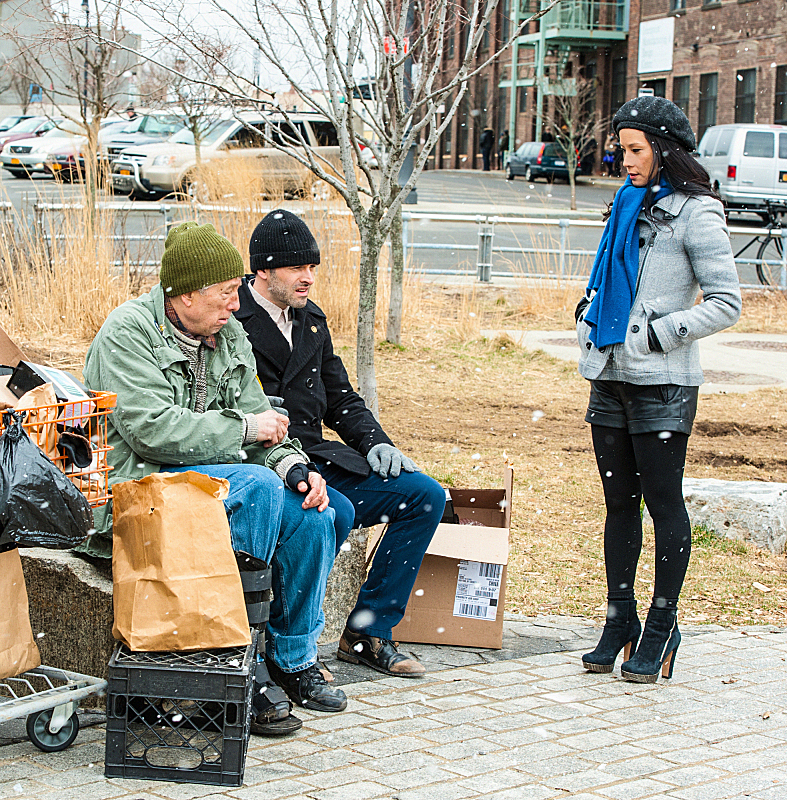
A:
[379,654]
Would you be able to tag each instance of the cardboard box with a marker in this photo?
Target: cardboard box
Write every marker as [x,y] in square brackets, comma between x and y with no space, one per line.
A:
[459,594]
[10,354]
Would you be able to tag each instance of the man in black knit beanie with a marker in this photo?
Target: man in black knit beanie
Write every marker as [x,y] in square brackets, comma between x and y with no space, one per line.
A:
[369,480]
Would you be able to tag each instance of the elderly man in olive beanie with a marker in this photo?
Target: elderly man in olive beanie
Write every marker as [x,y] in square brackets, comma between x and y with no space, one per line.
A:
[188,398]
[369,480]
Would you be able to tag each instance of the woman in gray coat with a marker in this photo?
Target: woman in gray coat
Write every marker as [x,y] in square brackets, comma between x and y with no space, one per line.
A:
[638,326]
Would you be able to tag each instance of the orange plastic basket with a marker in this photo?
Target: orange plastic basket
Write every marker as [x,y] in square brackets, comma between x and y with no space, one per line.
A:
[42,422]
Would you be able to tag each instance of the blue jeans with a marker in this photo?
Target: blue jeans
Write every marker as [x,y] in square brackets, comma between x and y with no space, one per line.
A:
[412,505]
[267,520]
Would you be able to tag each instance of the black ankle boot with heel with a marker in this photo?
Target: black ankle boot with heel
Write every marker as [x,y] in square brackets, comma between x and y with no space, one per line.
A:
[657,650]
[621,632]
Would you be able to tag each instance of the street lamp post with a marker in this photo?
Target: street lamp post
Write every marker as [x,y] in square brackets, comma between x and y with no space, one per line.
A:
[86,9]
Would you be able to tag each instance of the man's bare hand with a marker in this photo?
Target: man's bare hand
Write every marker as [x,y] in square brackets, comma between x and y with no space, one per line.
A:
[317,492]
[271,428]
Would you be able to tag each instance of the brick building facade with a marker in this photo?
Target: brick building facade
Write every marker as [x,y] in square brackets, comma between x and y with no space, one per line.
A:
[728,64]
[729,59]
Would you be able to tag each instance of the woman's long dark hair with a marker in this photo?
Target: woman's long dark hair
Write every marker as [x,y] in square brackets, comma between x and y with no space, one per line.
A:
[673,164]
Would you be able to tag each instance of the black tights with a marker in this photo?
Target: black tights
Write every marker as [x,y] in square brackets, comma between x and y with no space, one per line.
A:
[649,464]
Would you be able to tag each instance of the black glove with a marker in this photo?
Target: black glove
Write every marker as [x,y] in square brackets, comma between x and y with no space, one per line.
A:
[580,309]
[653,341]
[297,473]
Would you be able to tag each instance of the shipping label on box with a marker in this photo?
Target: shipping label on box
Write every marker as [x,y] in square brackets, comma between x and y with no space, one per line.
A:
[478,590]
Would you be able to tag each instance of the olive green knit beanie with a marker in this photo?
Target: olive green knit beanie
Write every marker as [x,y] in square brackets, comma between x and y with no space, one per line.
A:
[196,256]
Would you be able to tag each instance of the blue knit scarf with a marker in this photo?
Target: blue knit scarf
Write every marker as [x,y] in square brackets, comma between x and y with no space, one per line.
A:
[614,273]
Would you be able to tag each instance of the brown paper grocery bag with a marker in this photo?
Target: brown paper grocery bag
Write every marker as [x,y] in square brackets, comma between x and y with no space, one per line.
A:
[176,582]
[18,649]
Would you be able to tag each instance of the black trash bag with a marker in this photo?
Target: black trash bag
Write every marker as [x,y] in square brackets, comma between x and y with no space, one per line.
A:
[39,506]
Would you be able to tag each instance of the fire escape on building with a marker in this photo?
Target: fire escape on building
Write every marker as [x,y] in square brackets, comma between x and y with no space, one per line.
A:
[570,26]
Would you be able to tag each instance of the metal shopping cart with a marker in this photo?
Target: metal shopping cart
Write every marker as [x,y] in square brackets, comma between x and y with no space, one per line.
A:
[48,696]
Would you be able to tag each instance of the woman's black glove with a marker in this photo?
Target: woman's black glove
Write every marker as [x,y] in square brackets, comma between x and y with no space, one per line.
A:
[580,309]
[654,345]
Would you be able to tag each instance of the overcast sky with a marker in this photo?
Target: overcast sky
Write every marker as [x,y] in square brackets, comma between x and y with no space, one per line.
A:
[141,18]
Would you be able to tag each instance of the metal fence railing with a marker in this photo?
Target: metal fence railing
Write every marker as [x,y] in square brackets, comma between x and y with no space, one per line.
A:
[558,260]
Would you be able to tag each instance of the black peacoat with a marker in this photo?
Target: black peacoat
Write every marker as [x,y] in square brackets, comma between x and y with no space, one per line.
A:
[314,384]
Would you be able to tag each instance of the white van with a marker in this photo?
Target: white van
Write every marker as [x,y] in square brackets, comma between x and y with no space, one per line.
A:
[747,164]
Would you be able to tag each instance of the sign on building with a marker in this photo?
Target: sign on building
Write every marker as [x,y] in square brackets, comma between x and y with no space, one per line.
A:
[655,45]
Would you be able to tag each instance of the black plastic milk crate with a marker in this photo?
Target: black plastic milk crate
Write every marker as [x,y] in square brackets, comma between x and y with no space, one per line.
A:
[180,716]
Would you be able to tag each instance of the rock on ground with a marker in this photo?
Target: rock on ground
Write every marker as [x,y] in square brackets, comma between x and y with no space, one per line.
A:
[752,511]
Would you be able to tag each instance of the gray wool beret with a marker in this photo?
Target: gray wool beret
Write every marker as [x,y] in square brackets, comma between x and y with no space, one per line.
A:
[658,116]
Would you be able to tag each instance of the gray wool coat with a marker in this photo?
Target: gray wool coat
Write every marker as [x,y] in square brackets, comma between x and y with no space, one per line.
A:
[687,252]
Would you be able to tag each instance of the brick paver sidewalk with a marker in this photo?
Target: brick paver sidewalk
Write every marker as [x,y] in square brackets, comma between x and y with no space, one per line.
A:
[528,728]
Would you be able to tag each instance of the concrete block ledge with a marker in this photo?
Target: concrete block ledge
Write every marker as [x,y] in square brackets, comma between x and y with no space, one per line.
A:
[71,603]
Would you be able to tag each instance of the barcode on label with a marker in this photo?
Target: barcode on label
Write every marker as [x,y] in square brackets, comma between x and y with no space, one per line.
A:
[490,570]
[467,610]
[482,593]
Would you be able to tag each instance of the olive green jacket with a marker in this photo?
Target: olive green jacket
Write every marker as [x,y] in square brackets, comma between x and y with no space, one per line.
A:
[135,354]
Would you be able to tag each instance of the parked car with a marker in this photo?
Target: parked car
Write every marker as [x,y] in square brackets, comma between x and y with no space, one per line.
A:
[156,169]
[27,128]
[6,123]
[24,157]
[67,162]
[747,164]
[538,160]
[144,129]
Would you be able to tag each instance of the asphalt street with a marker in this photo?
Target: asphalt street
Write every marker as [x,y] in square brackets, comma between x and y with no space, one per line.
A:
[439,243]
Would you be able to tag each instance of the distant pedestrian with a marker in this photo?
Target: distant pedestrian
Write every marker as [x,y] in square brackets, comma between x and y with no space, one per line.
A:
[587,160]
[487,145]
[610,148]
[638,344]
[502,149]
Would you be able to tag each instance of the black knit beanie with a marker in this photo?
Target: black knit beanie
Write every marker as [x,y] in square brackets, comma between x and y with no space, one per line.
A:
[282,240]
[657,116]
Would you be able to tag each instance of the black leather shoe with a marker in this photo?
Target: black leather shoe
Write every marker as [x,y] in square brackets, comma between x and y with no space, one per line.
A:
[379,654]
[308,688]
[262,726]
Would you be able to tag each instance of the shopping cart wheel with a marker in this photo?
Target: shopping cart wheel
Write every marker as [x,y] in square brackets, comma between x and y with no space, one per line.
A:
[44,739]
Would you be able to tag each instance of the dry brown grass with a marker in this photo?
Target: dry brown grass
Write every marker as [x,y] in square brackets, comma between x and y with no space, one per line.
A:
[464,407]
[65,287]
[763,312]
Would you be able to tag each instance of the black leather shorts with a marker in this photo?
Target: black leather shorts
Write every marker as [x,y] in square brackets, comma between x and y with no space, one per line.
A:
[642,409]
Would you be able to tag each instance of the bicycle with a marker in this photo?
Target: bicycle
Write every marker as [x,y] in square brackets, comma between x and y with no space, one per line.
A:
[769,255]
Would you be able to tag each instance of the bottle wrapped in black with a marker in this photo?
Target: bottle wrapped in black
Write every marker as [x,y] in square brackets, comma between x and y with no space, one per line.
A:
[39,505]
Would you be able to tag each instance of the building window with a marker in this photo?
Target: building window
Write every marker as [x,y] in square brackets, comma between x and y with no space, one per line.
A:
[709,91]
[680,93]
[502,105]
[464,124]
[505,22]
[677,5]
[745,95]
[448,102]
[780,106]
[522,101]
[618,83]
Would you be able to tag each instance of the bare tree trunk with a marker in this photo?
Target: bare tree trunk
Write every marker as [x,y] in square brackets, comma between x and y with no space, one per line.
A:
[393,331]
[572,179]
[371,245]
